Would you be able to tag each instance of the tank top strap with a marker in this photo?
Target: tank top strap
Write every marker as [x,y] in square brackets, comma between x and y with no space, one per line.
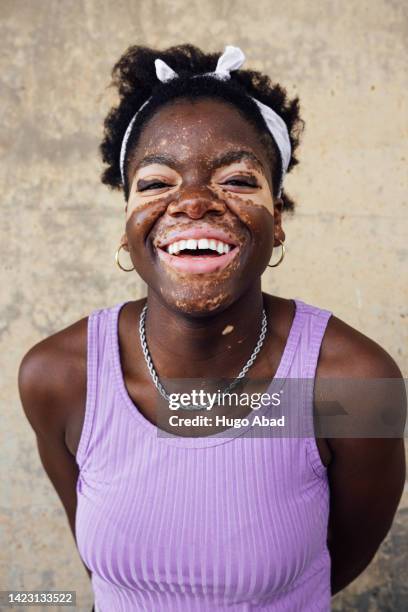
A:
[304,367]
[97,353]
[314,323]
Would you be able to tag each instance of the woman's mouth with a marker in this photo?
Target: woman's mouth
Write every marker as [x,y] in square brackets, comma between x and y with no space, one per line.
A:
[199,255]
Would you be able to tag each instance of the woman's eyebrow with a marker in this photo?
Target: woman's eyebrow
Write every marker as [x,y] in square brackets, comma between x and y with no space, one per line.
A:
[156,159]
[236,156]
[221,160]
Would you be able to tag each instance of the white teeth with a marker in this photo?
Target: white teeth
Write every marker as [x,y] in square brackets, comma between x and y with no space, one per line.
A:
[203,243]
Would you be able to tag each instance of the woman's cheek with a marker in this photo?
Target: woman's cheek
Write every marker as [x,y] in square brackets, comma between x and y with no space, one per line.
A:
[258,219]
[263,199]
[141,218]
[135,203]
[248,208]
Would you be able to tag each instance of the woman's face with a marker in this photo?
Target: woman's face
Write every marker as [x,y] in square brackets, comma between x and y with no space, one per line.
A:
[200,218]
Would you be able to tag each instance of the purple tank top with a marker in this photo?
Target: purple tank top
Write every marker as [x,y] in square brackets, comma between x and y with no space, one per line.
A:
[213,523]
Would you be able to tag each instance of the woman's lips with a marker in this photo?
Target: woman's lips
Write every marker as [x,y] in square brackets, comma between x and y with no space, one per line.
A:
[197,264]
[203,231]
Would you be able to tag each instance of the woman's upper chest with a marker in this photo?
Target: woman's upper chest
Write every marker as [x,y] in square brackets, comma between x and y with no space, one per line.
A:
[144,393]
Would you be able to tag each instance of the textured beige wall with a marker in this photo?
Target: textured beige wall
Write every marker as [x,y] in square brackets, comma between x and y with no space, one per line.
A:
[60,228]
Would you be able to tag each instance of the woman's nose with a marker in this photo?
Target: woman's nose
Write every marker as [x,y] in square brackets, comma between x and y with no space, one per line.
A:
[196,204]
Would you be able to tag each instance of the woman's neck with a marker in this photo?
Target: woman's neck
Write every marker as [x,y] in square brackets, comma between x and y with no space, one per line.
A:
[218,345]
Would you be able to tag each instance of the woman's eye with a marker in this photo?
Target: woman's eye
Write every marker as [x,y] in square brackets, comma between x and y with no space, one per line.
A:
[142,186]
[236,182]
[245,182]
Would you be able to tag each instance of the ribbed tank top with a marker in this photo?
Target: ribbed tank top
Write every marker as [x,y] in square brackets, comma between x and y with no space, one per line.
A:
[211,523]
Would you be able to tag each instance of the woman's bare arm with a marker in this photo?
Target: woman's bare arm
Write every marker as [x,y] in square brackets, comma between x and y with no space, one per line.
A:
[366,472]
[366,482]
[51,382]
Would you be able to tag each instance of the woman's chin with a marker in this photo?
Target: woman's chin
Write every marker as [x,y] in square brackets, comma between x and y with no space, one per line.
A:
[198,305]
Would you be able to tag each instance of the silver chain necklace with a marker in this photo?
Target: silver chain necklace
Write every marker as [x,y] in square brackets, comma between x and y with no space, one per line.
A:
[155,378]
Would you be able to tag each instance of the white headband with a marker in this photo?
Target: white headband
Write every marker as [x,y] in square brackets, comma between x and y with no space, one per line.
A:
[231,59]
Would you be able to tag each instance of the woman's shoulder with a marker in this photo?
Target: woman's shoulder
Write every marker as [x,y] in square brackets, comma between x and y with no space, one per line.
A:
[348,352]
[64,350]
[345,351]
[52,375]
[61,349]
[355,372]
[52,378]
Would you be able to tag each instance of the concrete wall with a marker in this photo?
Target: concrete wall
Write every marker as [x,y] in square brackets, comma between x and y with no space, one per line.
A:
[60,228]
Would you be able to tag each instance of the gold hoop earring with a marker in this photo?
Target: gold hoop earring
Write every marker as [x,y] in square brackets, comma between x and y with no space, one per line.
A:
[280,258]
[118,262]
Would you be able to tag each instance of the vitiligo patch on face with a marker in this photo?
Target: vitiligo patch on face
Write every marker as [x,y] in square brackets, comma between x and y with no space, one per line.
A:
[136,202]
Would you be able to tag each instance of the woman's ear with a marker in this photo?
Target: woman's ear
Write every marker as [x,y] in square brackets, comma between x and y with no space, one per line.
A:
[124,242]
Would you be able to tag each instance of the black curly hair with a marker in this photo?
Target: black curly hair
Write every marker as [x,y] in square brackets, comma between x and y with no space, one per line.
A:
[134,77]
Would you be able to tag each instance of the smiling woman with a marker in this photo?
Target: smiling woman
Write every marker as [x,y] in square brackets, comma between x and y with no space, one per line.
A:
[216,186]
[210,517]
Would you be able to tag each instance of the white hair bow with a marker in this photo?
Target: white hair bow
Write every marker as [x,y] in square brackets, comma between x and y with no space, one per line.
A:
[231,59]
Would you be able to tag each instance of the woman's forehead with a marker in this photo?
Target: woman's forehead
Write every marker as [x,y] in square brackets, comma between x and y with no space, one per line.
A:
[181,118]
[205,129]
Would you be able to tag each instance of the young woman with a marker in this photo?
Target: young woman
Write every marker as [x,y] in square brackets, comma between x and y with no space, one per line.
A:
[219,520]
